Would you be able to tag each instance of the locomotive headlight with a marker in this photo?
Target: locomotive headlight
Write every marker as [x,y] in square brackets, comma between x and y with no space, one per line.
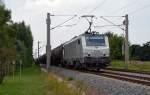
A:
[87,54]
[105,52]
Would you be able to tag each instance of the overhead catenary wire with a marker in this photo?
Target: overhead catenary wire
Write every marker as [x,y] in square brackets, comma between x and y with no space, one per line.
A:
[63,15]
[113,16]
[73,25]
[106,26]
[70,25]
[111,22]
[63,22]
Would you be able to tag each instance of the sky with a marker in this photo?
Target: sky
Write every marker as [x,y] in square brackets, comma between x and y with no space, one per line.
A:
[34,12]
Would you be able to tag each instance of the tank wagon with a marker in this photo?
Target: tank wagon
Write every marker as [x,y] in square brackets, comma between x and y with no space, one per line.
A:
[88,50]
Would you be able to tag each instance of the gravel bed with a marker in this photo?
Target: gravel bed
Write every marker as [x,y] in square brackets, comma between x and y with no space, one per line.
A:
[105,85]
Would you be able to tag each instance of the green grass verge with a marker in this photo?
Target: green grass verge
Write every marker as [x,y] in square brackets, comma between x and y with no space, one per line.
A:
[31,83]
[36,82]
[133,65]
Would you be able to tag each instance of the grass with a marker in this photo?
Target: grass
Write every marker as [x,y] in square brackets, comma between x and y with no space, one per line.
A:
[133,65]
[68,86]
[36,82]
[31,83]
[60,87]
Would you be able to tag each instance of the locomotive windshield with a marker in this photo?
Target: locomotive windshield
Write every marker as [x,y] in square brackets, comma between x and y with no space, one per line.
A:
[95,40]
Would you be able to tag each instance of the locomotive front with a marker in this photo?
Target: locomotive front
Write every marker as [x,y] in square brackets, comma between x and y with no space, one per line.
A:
[96,51]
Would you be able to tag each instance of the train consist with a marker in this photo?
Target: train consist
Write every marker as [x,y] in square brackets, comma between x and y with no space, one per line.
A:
[88,51]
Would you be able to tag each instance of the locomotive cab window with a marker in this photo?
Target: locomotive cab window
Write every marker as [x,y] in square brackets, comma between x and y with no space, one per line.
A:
[95,40]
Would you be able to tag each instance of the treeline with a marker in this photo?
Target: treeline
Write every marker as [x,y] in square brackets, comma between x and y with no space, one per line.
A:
[15,41]
[137,52]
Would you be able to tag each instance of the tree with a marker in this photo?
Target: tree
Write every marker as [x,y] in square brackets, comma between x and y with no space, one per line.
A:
[115,42]
[7,39]
[4,16]
[145,52]
[135,51]
[142,53]
[24,42]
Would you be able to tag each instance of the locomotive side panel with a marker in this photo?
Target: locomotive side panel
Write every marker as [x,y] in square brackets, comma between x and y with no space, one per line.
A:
[73,51]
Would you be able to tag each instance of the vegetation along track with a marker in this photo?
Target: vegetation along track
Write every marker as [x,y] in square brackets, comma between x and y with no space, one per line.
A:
[125,76]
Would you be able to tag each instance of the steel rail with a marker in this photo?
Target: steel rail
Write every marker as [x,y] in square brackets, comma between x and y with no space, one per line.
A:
[124,77]
[127,74]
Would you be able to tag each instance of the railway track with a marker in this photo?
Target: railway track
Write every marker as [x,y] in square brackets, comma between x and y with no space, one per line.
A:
[130,71]
[143,79]
[128,74]
[124,76]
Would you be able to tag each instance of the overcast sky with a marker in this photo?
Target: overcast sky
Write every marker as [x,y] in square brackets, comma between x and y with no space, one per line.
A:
[33,12]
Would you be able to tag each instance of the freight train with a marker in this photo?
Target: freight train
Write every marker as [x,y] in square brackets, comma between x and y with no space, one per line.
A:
[88,51]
